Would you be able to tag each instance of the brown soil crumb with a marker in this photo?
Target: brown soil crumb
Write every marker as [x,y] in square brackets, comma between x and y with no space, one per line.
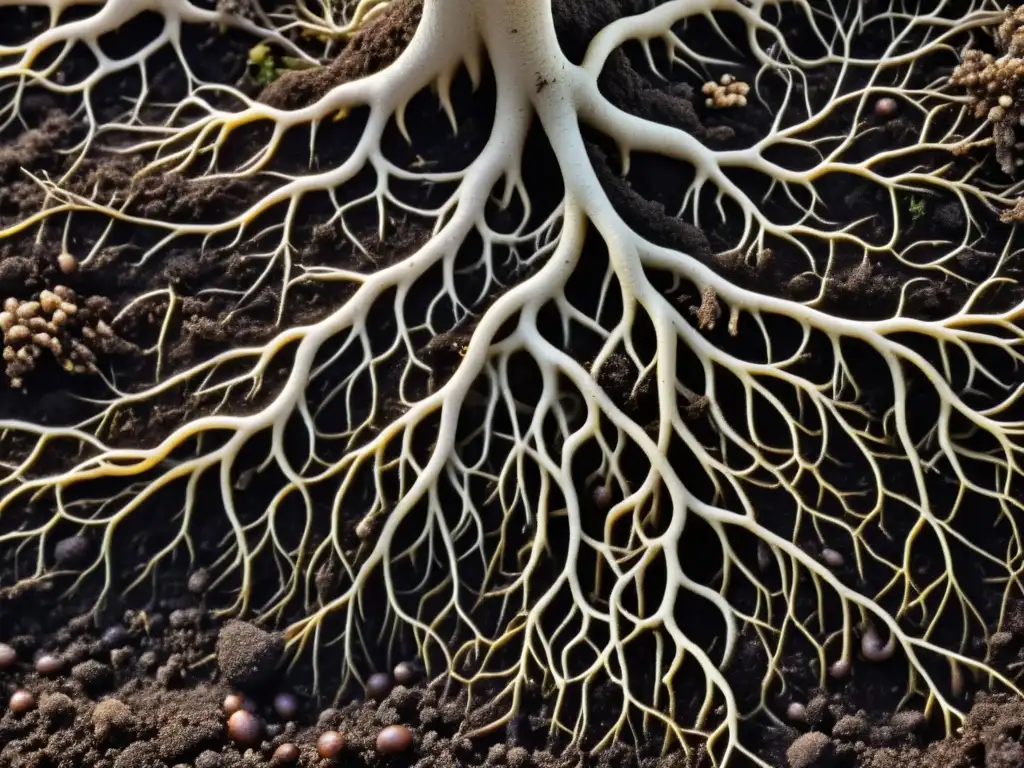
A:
[247,655]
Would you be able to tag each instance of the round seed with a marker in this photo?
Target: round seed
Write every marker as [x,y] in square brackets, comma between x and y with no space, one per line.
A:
[394,740]
[405,673]
[49,664]
[330,744]
[886,107]
[234,702]
[7,656]
[21,701]
[286,705]
[378,686]
[245,729]
[831,558]
[286,754]
[796,712]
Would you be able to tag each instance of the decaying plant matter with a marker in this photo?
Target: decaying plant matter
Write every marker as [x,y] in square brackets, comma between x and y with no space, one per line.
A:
[481,483]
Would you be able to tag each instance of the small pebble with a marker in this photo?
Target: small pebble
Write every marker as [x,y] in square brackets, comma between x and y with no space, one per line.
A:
[71,551]
[7,656]
[378,686]
[148,661]
[603,498]
[329,716]
[184,618]
[92,674]
[155,624]
[796,712]
[886,107]
[330,744]
[49,664]
[831,558]
[394,740]
[245,729]
[236,701]
[21,702]
[286,754]
[199,581]
[115,636]
[286,705]
[405,673]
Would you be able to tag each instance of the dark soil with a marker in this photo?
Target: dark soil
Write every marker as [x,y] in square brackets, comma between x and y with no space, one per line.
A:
[143,681]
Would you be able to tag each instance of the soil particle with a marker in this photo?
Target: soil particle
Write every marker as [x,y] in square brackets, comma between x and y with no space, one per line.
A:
[115,636]
[909,721]
[809,751]
[33,146]
[198,725]
[184,618]
[850,727]
[199,581]
[648,216]
[71,551]
[112,721]
[817,713]
[369,51]
[93,675]
[138,755]
[172,672]
[247,656]
[57,709]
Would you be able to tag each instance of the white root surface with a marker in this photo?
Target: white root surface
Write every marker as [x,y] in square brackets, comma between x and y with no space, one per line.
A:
[532,477]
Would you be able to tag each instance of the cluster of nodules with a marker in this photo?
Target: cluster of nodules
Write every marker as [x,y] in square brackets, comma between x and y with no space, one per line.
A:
[54,322]
[248,729]
[726,92]
[992,84]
